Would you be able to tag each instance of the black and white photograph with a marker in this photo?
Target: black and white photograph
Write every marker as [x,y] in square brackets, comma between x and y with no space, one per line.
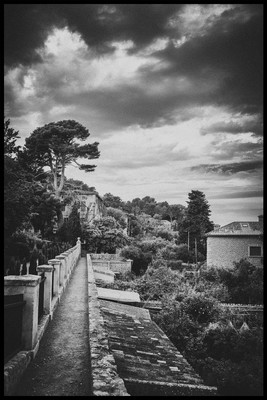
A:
[133,200]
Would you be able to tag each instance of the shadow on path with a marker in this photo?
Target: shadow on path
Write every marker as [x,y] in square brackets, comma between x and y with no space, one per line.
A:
[62,364]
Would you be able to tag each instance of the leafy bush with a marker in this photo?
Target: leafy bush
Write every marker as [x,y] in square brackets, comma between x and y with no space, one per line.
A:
[140,259]
[157,283]
[244,282]
[165,234]
[176,252]
[224,357]
[200,308]
[175,265]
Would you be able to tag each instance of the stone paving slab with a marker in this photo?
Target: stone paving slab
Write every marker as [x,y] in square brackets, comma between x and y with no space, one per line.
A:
[62,364]
[118,295]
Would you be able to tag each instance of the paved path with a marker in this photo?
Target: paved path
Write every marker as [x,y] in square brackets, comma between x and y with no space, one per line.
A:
[61,366]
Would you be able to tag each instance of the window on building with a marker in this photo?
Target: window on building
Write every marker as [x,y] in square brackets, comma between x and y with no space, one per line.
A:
[254,251]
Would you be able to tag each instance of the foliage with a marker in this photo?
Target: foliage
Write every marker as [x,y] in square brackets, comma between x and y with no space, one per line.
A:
[157,282]
[140,259]
[196,221]
[152,245]
[10,138]
[244,282]
[27,247]
[104,236]
[119,216]
[136,228]
[112,201]
[54,146]
[45,210]
[224,357]
[165,234]
[176,252]
[200,308]
[71,229]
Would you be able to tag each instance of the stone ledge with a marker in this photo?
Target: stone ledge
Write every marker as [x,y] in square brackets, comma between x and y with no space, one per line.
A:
[169,389]
[22,280]
[105,379]
[14,369]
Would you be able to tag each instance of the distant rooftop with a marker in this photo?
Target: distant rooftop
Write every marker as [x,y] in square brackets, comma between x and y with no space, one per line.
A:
[239,228]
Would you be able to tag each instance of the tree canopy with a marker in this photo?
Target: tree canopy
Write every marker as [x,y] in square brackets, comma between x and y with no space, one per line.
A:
[55,146]
[10,138]
[196,221]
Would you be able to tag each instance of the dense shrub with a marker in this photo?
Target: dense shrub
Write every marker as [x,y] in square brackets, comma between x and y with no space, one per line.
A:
[175,252]
[200,308]
[165,234]
[157,282]
[224,357]
[244,283]
[140,259]
[175,265]
[27,247]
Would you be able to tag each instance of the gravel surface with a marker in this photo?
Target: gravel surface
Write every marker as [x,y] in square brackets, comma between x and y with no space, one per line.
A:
[61,366]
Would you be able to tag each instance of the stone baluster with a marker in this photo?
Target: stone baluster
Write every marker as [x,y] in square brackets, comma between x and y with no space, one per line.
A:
[79,244]
[48,271]
[67,263]
[62,269]
[56,264]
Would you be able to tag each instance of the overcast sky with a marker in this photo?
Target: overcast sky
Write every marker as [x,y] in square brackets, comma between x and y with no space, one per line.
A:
[172,93]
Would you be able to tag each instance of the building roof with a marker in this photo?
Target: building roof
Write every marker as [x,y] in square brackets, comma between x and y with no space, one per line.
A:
[145,357]
[237,228]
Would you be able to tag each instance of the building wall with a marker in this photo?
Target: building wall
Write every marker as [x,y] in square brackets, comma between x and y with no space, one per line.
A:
[222,251]
[91,207]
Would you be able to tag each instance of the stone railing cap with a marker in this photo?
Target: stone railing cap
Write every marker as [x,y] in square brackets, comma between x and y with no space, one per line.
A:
[45,268]
[60,257]
[54,261]
[22,280]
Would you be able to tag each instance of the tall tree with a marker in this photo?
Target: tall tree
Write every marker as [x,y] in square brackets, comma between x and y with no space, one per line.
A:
[10,138]
[55,146]
[196,221]
[73,225]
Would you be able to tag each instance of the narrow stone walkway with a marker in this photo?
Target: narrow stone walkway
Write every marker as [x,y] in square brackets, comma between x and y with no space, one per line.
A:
[62,366]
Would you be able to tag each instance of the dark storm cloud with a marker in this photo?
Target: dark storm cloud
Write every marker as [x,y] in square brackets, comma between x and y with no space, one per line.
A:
[223,65]
[231,168]
[27,25]
[25,30]
[227,150]
[125,105]
[255,126]
[232,50]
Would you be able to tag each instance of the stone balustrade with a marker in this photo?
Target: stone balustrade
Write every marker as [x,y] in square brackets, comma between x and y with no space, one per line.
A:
[57,273]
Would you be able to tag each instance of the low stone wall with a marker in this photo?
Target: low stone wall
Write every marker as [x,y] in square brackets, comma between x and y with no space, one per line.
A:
[111,262]
[105,379]
[104,256]
[121,266]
